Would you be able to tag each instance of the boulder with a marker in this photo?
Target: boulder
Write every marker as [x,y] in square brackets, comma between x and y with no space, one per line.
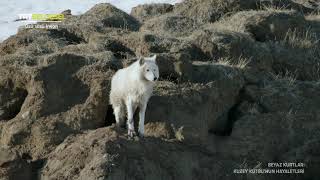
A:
[12,91]
[35,42]
[159,130]
[14,166]
[147,11]
[299,62]
[264,25]
[281,96]
[66,93]
[270,137]
[230,45]
[144,43]
[170,25]
[205,11]
[307,154]
[194,109]
[106,153]
[111,43]
[11,101]
[208,10]
[99,19]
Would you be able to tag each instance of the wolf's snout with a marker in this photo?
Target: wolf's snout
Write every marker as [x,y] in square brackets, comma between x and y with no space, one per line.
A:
[155,78]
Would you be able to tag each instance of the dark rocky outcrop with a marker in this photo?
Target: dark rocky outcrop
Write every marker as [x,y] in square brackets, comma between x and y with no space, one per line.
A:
[106,153]
[13,165]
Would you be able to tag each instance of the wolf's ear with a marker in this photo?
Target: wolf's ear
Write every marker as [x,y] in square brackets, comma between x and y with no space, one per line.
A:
[152,58]
[141,61]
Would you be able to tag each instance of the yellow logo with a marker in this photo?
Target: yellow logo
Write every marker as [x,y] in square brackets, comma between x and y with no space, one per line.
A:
[47,17]
[41,17]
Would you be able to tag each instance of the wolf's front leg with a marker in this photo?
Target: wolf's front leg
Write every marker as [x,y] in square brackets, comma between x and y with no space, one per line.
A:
[130,121]
[142,113]
[120,115]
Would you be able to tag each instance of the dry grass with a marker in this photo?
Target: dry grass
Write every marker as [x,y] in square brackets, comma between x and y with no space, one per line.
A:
[244,164]
[253,109]
[273,7]
[315,72]
[178,132]
[314,16]
[289,77]
[226,23]
[288,121]
[303,40]
[307,43]
[238,21]
[42,45]
[240,63]
[224,61]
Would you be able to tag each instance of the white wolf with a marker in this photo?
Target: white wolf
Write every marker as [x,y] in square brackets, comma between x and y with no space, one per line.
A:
[131,87]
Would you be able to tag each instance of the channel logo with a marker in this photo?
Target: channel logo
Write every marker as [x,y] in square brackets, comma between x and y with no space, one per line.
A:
[40,17]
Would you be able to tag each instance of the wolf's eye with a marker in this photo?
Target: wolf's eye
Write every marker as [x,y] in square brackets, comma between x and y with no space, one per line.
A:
[148,70]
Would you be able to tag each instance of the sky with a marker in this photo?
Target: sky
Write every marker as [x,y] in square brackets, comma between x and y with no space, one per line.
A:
[9,9]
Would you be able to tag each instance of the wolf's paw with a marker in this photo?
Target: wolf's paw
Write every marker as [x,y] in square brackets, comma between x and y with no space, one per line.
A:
[120,125]
[131,133]
[141,131]
[141,134]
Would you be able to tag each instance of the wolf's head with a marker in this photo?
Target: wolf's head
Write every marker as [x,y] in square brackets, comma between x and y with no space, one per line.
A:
[149,68]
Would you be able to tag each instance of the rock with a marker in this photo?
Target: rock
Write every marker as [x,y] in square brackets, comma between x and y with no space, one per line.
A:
[300,63]
[144,44]
[106,153]
[21,39]
[18,59]
[12,92]
[297,5]
[13,166]
[66,12]
[99,19]
[147,11]
[204,72]
[110,43]
[306,154]
[294,97]
[205,11]
[94,54]
[283,96]
[159,130]
[265,25]
[66,94]
[196,109]
[171,103]
[170,52]
[170,25]
[232,46]
[11,101]
[26,37]
[266,137]
[28,45]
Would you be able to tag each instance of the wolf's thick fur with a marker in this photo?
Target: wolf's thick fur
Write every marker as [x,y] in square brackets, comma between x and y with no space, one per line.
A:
[131,87]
